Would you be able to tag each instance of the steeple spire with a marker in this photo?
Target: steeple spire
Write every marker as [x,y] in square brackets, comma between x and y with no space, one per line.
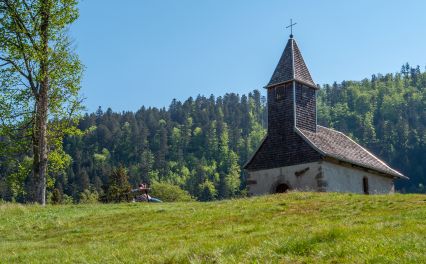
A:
[291,66]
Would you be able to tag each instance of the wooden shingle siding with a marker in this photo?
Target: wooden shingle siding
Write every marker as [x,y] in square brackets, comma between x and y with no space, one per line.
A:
[282,146]
[305,107]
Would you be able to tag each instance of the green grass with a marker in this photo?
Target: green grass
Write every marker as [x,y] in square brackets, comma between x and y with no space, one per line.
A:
[289,228]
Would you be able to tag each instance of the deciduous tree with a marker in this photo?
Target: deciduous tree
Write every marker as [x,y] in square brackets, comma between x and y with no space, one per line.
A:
[40,79]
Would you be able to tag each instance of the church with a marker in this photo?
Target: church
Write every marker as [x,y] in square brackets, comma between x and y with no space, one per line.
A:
[298,154]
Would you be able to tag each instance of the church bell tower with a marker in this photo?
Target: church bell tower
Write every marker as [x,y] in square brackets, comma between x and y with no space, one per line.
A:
[291,96]
[291,93]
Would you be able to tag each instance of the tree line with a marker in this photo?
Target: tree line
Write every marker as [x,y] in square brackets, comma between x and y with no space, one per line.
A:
[200,144]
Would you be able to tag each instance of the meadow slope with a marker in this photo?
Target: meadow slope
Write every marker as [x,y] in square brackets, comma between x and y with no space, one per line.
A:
[288,228]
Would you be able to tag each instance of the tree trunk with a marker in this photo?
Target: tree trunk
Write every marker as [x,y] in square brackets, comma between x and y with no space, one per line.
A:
[42,142]
[40,137]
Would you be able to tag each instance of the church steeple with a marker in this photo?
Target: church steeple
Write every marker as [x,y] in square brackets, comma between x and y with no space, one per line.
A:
[291,67]
[291,93]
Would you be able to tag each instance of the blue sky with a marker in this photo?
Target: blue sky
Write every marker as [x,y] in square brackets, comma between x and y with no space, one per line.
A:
[147,52]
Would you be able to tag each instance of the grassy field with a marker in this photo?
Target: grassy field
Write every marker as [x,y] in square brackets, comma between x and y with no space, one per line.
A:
[288,228]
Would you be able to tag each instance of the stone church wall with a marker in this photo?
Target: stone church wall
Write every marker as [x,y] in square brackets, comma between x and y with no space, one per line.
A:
[343,179]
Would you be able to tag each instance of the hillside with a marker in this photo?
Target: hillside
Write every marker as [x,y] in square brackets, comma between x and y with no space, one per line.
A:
[201,143]
[291,228]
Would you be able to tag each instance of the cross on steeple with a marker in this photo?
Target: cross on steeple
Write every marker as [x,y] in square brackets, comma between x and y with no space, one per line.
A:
[291,27]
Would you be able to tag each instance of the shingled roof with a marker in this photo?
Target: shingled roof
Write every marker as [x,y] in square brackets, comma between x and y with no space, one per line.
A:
[337,145]
[291,66]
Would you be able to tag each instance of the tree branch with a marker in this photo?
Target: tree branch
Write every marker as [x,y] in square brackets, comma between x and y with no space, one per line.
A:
[15,65]
[29,9]
[26,62]
[19,22]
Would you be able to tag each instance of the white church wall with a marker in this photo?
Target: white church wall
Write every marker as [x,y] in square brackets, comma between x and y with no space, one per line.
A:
[344,179]
[318,176]
[266,181]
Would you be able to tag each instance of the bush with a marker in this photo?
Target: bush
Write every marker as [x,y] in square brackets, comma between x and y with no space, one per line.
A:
[207,191]
[67,199]
[118,187]
[56,197]
[89,197]
[169,193]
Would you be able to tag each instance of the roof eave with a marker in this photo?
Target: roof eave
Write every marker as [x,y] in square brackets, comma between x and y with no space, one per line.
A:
[394,174]
[254,153]
[291,80]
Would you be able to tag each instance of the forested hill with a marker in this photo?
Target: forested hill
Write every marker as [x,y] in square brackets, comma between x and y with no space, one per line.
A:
[201,144]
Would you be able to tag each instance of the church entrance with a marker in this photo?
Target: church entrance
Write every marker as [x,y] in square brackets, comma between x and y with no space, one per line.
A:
[282,188]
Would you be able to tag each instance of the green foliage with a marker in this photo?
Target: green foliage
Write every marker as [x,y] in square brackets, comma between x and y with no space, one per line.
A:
[200,144]
[207,191]
[118,186]
[89,197]
[66,199]
[16,179]
[167,192]
[56,197]
[232,179]
[40,79]
[199,140]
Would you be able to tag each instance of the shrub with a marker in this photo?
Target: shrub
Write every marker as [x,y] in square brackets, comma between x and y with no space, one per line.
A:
[118,186]
[56,197]
[207,191]
[169,193]
[89,197]
[67,199]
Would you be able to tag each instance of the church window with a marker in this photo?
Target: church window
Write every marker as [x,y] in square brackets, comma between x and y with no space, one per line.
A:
[365,185]
[305,91]
[280,93]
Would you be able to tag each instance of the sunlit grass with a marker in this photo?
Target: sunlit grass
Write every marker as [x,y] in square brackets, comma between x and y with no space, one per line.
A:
[289,228]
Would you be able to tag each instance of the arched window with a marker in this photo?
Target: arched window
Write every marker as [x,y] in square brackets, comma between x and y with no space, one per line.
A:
[365,185]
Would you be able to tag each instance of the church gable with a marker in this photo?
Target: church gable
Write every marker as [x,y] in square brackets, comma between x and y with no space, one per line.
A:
[279,151]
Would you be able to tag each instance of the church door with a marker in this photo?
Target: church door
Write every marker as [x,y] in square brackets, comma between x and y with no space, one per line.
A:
[282,188]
